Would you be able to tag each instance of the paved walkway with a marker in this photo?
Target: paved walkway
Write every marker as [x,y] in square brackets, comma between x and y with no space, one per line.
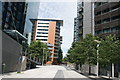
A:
[53,71]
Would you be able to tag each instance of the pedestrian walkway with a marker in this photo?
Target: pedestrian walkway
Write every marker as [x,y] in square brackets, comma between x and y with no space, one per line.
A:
[100,77]
[52,71]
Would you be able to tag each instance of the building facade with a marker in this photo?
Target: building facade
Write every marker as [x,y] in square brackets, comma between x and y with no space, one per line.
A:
[78,23]
[107,21]
[107,18]
[13,20]
[99,19]
[32,13]
[48,31]
[88,18]
[84,22]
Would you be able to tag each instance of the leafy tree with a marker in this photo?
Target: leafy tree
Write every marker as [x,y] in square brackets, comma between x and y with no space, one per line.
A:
[38,49]
[109,51]
[85,51]
[60,56]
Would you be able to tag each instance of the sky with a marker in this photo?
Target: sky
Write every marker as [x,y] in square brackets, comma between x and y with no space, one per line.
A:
[66,11]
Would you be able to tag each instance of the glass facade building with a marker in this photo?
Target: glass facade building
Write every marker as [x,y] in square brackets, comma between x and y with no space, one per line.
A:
[32,12]
[13,19]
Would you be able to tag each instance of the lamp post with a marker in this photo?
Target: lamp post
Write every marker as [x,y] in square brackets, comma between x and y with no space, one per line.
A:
[43,57]
[97,56]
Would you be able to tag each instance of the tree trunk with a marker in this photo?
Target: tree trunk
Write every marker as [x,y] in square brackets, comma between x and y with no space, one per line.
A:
[89,69]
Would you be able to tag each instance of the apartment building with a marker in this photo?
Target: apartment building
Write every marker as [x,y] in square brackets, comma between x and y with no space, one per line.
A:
[78,23]
[48,31]
[84,22]
[107,18]
[107,21]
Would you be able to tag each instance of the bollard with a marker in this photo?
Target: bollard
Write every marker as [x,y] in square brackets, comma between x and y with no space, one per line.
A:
[3,68]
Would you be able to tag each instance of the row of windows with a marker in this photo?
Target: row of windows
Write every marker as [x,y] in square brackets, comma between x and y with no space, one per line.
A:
[43,29]
[43,23]
[97,4]
[41,36]
[107,10]
[107,20]
[42,39]
[42,33]
[108,30]
[44,26]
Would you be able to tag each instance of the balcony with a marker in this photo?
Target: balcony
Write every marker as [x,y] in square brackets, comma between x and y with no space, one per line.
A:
[50,48]
[50,45]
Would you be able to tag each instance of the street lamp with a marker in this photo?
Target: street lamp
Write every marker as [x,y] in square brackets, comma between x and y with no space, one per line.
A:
[97,55]
[43,57]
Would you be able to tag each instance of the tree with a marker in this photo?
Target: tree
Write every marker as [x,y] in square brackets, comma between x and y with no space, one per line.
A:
[60,56]
[38,49]
[90,50]
[83,51]
[109,51]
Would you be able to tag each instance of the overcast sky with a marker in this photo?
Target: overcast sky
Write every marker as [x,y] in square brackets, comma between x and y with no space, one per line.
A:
[66,11]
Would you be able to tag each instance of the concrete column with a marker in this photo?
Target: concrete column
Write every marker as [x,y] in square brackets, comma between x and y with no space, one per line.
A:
[79,68]
[112,70]
[0,52]
[118,74]
[97,61]
[93,24]
[19,64]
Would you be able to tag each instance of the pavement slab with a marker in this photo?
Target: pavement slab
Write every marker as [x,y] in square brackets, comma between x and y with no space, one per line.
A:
[51,72]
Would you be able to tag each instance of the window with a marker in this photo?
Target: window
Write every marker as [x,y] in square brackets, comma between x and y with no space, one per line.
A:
[8,14]
[97,4]
[97,22]
[43,26]
[106,30]
[43,39]
[9,8]
[82,3]
[115,29]
[98,13]
[58,24]
[115,17]
[42,33]
[41,36]
[115,7]
[106,10]
[106,20]
[104,3]
[7,19]
[43,23]
[43,29]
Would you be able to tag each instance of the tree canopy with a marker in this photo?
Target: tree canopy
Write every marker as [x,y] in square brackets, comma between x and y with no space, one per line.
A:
[38,49]
[85,51]
[60,56]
